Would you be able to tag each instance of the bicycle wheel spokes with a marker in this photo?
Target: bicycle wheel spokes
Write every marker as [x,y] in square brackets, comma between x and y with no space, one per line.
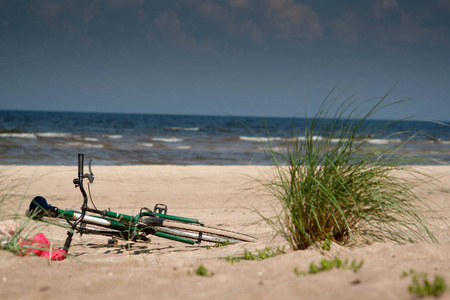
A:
[195,231]
[196,235]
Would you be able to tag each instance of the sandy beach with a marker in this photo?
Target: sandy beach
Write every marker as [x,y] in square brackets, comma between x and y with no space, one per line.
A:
[223,197]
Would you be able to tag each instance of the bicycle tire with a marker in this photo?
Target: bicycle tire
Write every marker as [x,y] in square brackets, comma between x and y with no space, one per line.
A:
[85,228]
[197,236]
[209,234]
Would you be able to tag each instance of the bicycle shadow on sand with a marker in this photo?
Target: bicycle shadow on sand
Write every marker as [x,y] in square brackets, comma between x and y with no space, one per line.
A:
[134,249]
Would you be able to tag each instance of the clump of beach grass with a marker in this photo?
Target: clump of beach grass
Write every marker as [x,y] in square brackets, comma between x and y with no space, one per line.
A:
[16,227]
[333,184]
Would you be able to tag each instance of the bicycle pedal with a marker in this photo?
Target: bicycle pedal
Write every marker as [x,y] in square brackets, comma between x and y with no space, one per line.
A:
[112,243]
[160,209]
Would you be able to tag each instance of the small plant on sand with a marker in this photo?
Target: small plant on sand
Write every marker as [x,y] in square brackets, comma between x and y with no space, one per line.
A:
[422,287]
[258,255]
[326,265]
[218,245]
[298,272]
[201,271]
[337,263]
[333,185]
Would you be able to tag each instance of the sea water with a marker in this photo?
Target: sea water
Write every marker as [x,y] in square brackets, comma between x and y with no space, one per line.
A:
[55,138]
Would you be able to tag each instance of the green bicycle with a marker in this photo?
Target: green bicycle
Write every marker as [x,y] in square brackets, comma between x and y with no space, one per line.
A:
[126,227]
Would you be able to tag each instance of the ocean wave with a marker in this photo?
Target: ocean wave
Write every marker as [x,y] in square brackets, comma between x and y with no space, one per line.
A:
[257,139]
[275,149]
[80,144]
[363,140]
[167,140]
[182,128]
[53,134]
[89,139]
[182,147]
[145,144]
[384,141]
[113,136]
[19,135]
[321,138]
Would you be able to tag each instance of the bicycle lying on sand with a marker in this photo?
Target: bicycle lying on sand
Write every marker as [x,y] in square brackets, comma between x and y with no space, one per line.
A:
[127,227]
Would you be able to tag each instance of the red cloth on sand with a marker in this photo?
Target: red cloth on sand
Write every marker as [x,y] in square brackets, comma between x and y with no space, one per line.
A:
[40,246]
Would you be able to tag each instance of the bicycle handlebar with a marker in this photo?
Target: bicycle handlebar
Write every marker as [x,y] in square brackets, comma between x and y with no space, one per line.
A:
[80,166]
[79,183]
[90,176]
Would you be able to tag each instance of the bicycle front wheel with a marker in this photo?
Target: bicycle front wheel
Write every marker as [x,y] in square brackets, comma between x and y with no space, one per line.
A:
[202,233]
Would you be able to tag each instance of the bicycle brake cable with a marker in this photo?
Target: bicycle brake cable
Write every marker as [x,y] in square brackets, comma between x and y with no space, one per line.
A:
[90,196]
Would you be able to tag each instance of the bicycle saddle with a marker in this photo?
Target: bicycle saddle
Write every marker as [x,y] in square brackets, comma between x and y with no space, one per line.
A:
[39,206]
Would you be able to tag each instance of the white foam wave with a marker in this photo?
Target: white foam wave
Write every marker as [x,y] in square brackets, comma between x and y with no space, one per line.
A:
[145,144]
[167,140]
[87,139]
[80,144]
[370,141]
[53,134]
[183,147]
[257,139]
[19,135]
[113,136]
[384,141]
[315,137]
[320,138]
[275,149]
[183,128]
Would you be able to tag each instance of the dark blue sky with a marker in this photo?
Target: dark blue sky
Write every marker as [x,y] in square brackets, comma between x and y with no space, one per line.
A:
[243,57]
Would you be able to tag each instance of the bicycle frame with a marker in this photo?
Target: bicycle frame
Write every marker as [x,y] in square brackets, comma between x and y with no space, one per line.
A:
[125,223]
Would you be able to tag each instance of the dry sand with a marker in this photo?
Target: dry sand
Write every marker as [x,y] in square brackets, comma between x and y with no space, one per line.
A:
[218,195]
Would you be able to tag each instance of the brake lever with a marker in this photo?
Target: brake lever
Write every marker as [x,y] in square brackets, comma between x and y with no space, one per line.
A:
[90,176]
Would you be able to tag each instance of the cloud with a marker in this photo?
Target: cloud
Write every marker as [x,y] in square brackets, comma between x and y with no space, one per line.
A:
[125,2]
[200,25]
[444,3]
[406,24]
[294,20]
[239,3]
[140,14]
[89,11]
[45,8]
[382,6]
[410,29]
[344,28]
[214,12]
[261,19]
[247,28]
[172,33]
[58,11]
